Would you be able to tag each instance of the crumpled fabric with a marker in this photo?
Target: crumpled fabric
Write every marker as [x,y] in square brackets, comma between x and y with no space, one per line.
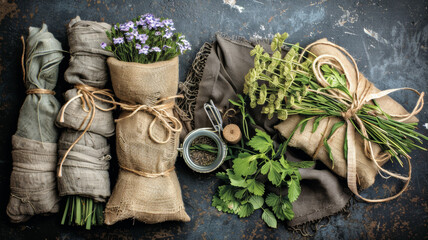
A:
[34,148]
[85,169]
[219,75]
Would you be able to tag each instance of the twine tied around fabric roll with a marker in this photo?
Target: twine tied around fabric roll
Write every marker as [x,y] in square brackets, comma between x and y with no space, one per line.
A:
[358,99]
[87,95]
[147,174]
[34,90]
[159,110]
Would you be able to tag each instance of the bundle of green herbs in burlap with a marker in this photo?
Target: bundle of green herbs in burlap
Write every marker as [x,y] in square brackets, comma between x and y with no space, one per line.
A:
[34,148]
[147,133]
[324,102]
[84,152]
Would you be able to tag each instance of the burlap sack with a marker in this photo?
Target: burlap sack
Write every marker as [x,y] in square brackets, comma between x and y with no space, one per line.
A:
[85,172]
[310,142]
[147,188]
[88,60]
[32,183]
[75,115]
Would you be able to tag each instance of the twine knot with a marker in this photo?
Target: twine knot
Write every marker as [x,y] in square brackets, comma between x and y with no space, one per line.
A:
[361,90]
[87,95]
[159,111]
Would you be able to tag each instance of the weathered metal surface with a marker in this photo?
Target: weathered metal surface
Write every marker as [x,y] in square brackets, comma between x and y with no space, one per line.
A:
[389,39]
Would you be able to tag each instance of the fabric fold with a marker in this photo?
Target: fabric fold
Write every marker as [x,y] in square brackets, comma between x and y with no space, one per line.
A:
[34,148]
[223,72]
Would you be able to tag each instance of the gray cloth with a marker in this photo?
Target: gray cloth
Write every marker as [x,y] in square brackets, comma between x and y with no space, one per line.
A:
[85,168]
[224,66]
[88,60]
[34,148]
[75,115]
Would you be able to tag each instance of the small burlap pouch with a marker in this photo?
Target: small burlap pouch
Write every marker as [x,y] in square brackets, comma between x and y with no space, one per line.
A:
[147,188]
[312,142]
[34,148]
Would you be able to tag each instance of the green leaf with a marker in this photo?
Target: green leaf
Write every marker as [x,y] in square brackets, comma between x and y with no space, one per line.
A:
[223,206]
[233,206]
[235,103]
[240,194]
[302,128]
[287,210]
[261,142]
[256,201]
[283,162]
[316,123]
[302,164]
[274,173]
[265,168]
[335,127]
[226,193]
[345,146]
[255,187]
[235,179]
[293,189]
[272,200]
[222,176]
[269,218]
[245,210]
[245,164]
[330,154]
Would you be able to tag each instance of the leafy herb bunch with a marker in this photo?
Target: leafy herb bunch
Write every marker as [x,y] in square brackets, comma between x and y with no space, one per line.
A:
[146,39]
[287,86]
[256,165]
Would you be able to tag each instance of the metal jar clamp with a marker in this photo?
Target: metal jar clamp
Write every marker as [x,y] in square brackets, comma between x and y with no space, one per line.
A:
[214,134]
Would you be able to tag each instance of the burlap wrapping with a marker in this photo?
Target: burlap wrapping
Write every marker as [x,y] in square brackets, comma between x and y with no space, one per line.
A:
[84,171]
[32,182]
[310,142]
[147,188]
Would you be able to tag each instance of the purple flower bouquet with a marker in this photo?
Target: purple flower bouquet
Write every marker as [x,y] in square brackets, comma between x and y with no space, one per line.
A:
[146,39]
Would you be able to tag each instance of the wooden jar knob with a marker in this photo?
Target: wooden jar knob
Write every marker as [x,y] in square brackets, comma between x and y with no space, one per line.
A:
[232,134]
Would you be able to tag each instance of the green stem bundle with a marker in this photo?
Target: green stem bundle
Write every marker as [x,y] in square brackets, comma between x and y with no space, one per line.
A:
[285,86]
[83,211]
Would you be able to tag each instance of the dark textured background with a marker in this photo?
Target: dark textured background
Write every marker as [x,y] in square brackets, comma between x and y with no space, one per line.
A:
[389,40]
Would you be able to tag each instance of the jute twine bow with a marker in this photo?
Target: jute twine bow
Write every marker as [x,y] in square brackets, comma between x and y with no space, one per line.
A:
[87,95]
[159,110]
[354,104]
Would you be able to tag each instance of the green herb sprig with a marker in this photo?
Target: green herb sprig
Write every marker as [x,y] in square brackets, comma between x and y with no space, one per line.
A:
[286,86]
[244,191]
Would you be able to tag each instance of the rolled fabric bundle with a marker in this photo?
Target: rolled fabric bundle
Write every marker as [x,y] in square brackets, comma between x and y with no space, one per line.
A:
[147,137]
[86,166]
[34,148]
[83,147]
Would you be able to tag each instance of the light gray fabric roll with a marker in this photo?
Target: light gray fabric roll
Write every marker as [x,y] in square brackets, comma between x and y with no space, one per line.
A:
[34,154]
